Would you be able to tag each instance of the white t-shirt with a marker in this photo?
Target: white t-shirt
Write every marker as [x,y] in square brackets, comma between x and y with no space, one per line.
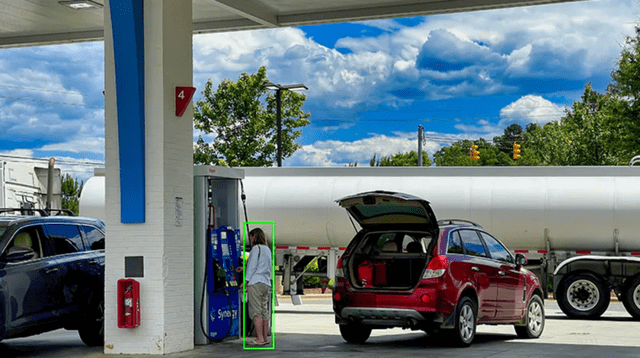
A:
[259,265]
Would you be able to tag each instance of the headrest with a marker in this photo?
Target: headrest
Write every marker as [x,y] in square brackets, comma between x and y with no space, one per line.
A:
[414,247]
[23,239]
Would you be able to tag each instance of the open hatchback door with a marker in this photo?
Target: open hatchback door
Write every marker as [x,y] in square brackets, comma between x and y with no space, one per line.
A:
[377,208]
[393,247]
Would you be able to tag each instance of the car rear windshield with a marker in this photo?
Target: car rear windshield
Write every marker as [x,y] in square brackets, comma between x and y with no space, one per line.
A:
[392,213]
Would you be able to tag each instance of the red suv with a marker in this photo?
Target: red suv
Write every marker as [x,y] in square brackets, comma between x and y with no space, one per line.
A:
[406,269]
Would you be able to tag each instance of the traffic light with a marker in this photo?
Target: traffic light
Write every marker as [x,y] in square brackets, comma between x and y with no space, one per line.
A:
[516,150]
[474,155]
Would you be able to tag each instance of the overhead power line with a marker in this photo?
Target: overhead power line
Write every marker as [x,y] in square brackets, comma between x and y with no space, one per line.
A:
[58,161]
[41,90]
[427,119]
[52,102]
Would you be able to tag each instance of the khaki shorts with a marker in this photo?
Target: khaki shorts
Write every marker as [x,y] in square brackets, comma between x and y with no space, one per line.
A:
[259,296]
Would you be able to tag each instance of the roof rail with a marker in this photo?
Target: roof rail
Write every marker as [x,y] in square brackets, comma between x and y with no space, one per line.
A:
[59,212]
[453,221]
[41,212]
[25,211]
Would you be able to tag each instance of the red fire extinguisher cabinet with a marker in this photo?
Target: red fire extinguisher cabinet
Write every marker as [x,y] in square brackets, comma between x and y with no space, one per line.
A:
[128,303]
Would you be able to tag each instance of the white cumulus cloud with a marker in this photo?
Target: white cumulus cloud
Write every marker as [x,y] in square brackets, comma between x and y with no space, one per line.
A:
[530,109]
[340,153]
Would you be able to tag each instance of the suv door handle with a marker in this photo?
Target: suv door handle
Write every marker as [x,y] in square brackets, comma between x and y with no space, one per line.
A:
[501,273]
[51,270]
[475,268]
[94,261]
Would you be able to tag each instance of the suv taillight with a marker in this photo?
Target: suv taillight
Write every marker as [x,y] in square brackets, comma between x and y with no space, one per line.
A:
[436,267]
[339,272]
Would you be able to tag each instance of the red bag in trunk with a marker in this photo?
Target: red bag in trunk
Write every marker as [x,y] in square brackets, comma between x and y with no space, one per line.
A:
[365,273]
[380,273]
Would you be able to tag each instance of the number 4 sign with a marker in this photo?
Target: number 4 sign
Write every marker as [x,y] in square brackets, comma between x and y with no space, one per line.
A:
[183,97]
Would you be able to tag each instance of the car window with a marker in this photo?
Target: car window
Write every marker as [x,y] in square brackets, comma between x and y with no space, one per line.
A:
[472,244]
[455,245]
[26,238]
[65,238]
[386,243]
[497,251]
[94,237]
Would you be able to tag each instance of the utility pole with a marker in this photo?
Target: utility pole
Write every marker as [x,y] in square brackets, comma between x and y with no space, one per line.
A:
[279,125]
[420,129]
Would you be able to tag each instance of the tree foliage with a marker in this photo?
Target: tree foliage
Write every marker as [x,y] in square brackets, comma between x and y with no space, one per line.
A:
[242,117]
[71,190]
[458,154]
[408,159]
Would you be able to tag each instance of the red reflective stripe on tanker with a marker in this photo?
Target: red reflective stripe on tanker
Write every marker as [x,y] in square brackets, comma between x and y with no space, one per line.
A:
[521,251]
[324,248]
[282,247]
[342,248]
[542,251]
[583,252]
[635,254]
[303,247]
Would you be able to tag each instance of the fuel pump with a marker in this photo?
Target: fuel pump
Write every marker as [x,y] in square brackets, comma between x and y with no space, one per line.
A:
[218,247]
[222,283]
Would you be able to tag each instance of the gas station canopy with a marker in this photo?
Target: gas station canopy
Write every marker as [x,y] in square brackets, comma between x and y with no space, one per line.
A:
[42,22]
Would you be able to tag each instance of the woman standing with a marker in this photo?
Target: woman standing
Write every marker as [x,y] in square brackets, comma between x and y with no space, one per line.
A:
[258,283]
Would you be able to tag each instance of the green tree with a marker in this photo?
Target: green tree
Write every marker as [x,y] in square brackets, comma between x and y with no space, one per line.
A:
[511,134]
[598,129]
[586,126]
[71,190]
[244,126]
[458,154]
[623,94]
[545,145]
[584,136]
[408,159]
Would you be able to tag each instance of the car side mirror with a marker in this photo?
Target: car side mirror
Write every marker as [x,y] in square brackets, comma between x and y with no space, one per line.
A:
[521,260]
[18,253]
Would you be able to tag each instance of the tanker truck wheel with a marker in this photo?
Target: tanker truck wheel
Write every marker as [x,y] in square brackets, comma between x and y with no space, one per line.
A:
[631,298]
[583,296]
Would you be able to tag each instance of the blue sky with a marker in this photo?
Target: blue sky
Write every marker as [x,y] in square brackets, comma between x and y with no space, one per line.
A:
[370,84]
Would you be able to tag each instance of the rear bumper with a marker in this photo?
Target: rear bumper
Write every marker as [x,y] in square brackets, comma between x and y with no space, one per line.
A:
[387,317]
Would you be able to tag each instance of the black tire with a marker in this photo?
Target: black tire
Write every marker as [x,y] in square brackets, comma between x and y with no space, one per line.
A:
[583,296]
[533,319]
[91,330]
[631,298]
[466,321]
[355,333]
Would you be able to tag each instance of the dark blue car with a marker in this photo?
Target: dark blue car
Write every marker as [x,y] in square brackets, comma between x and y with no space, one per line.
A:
[52,276]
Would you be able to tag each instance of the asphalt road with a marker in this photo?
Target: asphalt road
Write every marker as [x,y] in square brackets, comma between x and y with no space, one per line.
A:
[309,330]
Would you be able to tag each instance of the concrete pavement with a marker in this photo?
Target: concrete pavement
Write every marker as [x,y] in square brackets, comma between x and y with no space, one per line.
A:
[309,330]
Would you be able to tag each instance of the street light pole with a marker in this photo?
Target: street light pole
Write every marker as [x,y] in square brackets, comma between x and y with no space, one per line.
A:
[420,129]
[279,88]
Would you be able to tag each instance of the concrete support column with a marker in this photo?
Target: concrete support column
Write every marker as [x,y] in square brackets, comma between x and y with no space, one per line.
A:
[164,239]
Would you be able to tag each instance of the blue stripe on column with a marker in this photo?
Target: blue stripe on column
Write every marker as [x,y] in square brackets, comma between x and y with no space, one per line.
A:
[128,49]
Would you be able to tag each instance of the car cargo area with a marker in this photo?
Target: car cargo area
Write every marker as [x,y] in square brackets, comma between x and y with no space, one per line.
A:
[389,260]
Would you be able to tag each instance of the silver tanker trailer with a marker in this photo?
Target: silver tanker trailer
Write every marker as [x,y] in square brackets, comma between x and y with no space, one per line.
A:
[578,226]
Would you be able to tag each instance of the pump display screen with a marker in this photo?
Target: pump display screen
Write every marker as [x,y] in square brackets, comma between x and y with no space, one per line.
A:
[225,250]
